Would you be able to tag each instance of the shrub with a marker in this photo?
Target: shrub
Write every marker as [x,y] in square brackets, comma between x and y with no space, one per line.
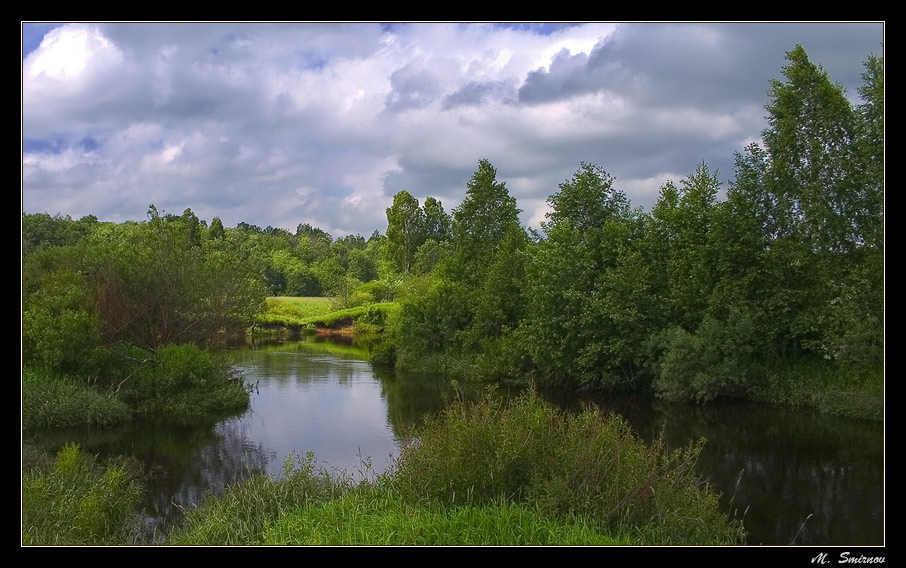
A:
[586,464]
[242,514]
[715,361]
[183,382]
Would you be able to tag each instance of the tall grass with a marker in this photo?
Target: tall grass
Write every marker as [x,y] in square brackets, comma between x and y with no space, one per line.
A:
[826,387]
[588,464]
[484,473]
[77,502]
[377,517]
[242,515]
[54,401]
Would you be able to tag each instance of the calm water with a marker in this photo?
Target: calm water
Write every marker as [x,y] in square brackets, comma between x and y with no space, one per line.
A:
[788,474]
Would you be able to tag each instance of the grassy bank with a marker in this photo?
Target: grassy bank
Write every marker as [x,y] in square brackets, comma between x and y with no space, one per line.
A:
[313,313]
[825,387]
[485,473]
[74,500]
[289,310]
[58,401]
[377,517]
[177,382]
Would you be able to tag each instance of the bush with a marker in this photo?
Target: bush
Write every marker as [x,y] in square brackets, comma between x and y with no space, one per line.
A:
[75,502]
[183,382]
[586,465]
[488,473]
[379,290]
[58,329]
[716,361]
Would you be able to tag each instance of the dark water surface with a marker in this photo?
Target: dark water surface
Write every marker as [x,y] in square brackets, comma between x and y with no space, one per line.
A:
[794,476]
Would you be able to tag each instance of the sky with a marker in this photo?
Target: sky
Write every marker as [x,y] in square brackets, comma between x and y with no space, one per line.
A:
[322,123]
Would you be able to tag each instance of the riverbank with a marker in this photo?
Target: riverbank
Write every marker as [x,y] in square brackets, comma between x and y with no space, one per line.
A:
[804,382]
[823,387]
[315,395]
[289,318]
[180,383]
[487,473]
[490,473]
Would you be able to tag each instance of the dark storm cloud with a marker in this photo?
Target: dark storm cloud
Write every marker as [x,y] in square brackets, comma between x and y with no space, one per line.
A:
[702,65]
[413,86]
[567,76]
[476,93]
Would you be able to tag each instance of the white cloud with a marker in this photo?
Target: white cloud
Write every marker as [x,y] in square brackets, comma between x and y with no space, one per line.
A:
[276,124]
[73,53]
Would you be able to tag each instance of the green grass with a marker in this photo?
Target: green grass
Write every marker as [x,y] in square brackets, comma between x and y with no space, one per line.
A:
[316,313]
[242,515]
[825,387]
[372,314]
[55,401]
[288,310]
[75,501]
[369,517]
[485,473]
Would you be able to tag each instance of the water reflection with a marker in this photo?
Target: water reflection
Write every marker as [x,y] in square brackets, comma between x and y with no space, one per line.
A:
[182,463]
[326,399]
[806,478]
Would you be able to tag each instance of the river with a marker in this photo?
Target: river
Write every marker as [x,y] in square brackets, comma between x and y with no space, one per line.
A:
[793,476]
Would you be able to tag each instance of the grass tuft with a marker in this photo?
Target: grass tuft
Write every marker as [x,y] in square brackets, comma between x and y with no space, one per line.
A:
[77,502]
[55,401]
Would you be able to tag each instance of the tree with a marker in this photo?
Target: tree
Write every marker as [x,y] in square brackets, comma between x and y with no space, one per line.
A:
[870,148]
[577,331]
[682,222]
[405,231]
[192,228]
[40,230]
[216,231]
[314,234]
[483,220]
[587,201]
[438,225]
[154,286]
[801,233]
[812,127]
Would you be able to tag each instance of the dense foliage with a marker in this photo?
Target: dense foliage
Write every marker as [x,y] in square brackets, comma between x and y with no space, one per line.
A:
[698,299]
[774,293]
[486,473]
[114,315]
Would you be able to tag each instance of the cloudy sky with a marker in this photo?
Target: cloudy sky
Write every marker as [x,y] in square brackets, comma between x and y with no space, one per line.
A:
[280,124]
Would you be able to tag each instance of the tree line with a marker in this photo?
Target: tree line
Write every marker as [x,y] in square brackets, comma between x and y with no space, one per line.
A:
[698,298]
